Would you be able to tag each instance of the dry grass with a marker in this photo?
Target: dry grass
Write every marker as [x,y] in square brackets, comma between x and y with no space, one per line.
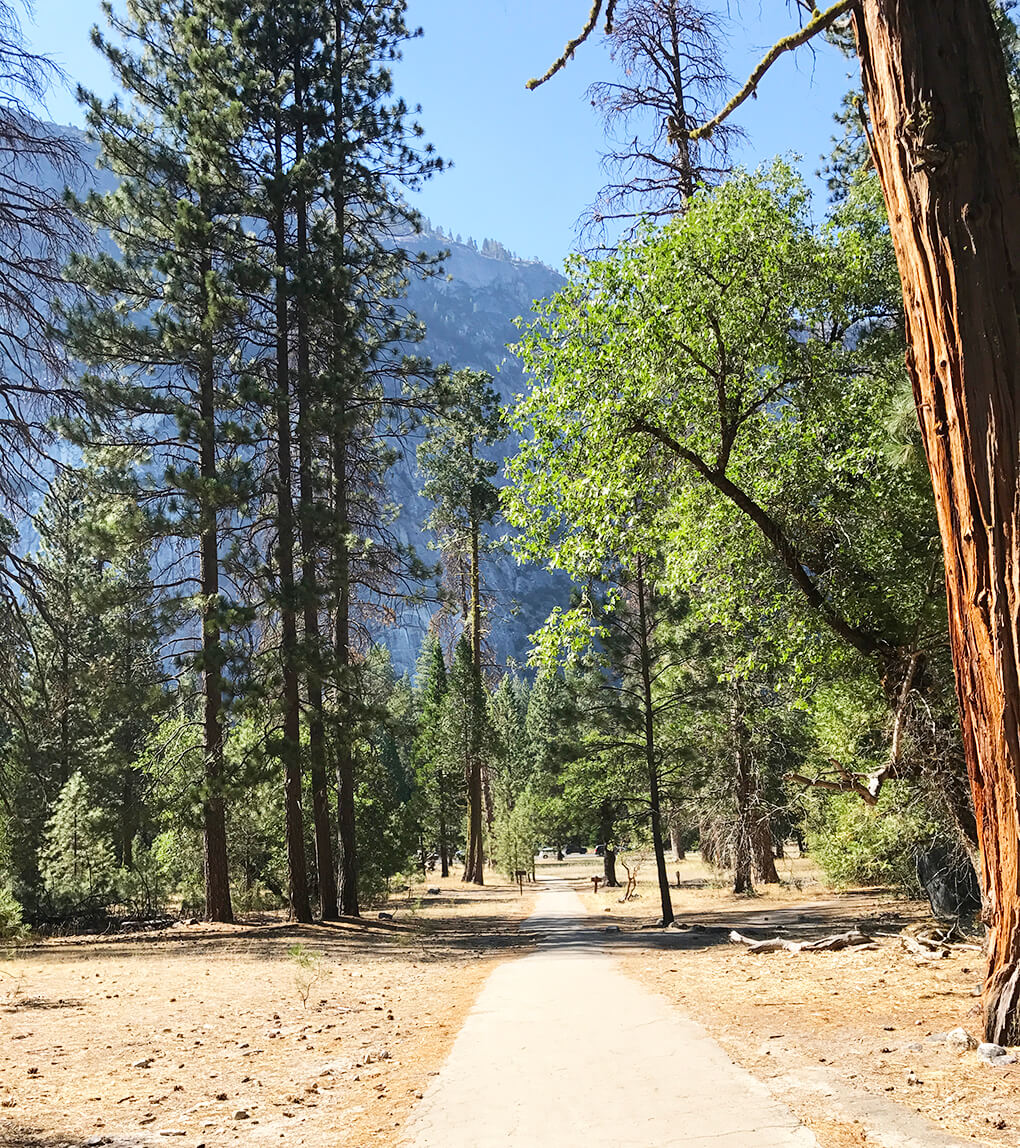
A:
[183,1031]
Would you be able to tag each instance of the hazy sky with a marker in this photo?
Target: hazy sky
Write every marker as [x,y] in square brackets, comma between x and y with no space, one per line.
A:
[526,164]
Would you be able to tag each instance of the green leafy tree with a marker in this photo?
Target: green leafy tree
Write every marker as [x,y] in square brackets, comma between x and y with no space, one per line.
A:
[758,450]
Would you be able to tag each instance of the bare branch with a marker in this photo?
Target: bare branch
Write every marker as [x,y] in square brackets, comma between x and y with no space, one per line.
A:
[574,44]
[818,23]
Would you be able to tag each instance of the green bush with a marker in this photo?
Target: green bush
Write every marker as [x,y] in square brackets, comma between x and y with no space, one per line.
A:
[76,862]
[11,926]
[859,844]
[143,887]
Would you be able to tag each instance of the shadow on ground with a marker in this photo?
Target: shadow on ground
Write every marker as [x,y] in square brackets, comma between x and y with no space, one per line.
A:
[699,930]
[445,933]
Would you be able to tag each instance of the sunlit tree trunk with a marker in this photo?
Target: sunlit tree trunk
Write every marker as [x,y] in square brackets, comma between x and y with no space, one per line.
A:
[214,818]
[651,758]
[945,146]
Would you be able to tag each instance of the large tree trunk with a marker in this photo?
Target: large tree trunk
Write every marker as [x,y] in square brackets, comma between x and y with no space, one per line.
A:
[946,151]
[340,443]
[474,860]
[763,845]
[217,877]
[651,761]
[297,886]
[743,849]
[312,598]
[606,823]
[347,850]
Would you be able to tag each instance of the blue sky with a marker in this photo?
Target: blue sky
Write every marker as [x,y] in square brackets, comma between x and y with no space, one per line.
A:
[526,164]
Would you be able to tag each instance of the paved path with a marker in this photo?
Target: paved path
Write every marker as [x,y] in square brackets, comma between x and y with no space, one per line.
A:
[562,1050]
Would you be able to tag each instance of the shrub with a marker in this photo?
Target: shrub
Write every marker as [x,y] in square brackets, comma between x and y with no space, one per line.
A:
[11,926]
[144,885]
[859,844]
[76,862]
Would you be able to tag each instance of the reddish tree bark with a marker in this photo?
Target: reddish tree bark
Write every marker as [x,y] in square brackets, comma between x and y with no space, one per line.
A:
[945,146]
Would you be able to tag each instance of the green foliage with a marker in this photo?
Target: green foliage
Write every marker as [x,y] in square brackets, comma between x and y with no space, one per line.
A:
[89,694]
[438,771]
[143,888]
[464,715]
[309,969]
[663,420]
[510,762]
[76,862]
[452,458]
[515,835]
[858,844]
[12,926]
[386,819]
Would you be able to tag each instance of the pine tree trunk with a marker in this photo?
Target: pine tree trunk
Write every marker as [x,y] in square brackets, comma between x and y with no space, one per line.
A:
[474,863]
[217,876]
[946,151]
[609,878]
[763,845]
[348,901]
[297,887]
[743,849]
[651,761]
[311,596]
[347,852]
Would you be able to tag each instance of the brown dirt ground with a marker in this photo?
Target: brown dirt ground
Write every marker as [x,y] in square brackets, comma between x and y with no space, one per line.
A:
[165,1038]
[862,1017]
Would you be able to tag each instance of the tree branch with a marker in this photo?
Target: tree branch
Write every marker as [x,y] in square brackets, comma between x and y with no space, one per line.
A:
[574,44]
[868,644]
[818,23]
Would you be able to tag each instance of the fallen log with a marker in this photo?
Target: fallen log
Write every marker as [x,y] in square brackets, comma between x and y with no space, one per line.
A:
[927,952]
[854,939]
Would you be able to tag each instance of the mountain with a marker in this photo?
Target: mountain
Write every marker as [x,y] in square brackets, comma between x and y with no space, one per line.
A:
[469,315]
